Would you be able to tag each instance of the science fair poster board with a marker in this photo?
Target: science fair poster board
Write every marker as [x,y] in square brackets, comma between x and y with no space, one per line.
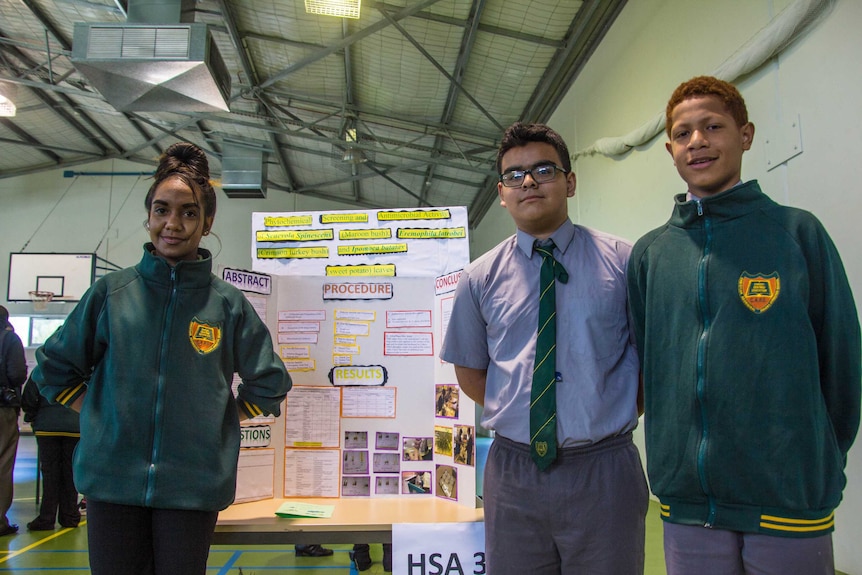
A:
[373,411]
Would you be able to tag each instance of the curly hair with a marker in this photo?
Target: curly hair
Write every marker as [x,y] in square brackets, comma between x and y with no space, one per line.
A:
[708,86]
[189,163]
[520,134]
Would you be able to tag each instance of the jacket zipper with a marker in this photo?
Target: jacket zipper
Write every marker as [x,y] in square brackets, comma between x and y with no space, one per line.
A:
[157,411]
[701,360]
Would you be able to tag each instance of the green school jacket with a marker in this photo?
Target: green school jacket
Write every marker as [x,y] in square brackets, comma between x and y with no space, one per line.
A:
[156,348]
[750,348]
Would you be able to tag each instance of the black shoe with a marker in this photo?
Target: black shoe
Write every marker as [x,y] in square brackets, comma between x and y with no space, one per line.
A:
[361,557]
[37,525]
[312,551]
[9,530]
[69,525]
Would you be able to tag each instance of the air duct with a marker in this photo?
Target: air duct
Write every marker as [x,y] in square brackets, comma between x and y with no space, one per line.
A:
[155,62]
[353,155]
[243,171]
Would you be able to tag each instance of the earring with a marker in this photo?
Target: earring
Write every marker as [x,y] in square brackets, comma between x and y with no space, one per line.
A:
[206,232]
[147,225]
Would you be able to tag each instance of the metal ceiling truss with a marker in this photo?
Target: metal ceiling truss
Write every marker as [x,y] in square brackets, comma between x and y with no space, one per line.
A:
[299,131]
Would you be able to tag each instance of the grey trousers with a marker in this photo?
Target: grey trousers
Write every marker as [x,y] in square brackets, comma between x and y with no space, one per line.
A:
[583,515]
[696,550]
[8,450]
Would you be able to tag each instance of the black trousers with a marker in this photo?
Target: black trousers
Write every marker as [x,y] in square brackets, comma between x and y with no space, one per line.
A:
[144,541]
[59,496]
[8,450]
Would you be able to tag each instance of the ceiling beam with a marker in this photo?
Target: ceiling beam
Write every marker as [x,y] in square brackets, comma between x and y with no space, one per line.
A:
[312,105]
[584,35]
[495,30]
[348,101]
[473,163]
[443,70]
[344,42]
[64,164]
[411,168]
[332,198]
[29,139]
[56,107]
[42,146]
[48,24]
[468,39]
[280,40]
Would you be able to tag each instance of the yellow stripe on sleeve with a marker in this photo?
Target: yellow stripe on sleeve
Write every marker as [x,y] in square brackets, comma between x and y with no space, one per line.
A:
[64,396]
[252,409]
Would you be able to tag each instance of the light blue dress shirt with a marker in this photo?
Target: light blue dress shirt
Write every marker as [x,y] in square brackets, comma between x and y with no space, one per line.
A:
[494,322]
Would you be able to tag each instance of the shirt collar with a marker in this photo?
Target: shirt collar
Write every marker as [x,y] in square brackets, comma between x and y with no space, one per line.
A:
[562,238]
[689,196]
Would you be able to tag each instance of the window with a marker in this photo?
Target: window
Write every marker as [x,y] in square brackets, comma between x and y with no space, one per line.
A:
[41,328]
[34,330]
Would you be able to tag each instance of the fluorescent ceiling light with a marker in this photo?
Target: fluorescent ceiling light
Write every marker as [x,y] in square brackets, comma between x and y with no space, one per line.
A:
[340,8]
[7,106]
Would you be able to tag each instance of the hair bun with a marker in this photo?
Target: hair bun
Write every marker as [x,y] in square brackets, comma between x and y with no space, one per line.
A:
[189,163]
[186,157]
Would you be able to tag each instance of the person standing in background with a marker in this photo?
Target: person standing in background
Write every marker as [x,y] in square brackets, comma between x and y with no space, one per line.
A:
[13,373]
[57,430]
[148,357]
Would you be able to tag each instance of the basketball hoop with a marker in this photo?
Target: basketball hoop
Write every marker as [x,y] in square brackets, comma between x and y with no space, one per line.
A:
[40,299]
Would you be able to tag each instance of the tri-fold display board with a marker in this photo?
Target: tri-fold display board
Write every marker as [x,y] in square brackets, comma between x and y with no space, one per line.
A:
[358,303]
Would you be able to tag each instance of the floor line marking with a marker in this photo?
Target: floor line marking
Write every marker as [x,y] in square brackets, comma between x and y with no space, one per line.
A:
[13,554]
[228,565]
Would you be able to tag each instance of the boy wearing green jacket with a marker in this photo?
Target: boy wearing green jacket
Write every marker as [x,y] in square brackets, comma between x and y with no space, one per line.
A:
[749,343]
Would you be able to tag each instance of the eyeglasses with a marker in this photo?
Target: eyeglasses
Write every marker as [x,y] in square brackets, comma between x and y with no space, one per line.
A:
[541,174]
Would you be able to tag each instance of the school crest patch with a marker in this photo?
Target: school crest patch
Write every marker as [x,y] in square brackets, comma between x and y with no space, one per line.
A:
[204,337]
[759,291]
[542,448]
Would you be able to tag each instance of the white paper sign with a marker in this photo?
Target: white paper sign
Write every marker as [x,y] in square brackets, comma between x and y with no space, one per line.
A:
[248,281]
[438,548]
[447,283]
[255,475]
[300,243]
[255,436]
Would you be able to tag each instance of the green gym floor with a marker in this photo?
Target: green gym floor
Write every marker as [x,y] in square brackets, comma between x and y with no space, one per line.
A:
[64,551]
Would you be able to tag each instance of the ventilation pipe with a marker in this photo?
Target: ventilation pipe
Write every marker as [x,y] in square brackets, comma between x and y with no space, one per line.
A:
[159,60]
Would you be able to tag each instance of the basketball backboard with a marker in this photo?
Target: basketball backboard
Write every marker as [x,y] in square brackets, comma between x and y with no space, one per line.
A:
[67,276]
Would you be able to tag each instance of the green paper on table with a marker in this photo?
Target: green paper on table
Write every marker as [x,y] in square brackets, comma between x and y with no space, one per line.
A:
[296,509]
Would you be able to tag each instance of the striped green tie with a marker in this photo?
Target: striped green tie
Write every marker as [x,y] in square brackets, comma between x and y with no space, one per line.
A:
[543,397]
